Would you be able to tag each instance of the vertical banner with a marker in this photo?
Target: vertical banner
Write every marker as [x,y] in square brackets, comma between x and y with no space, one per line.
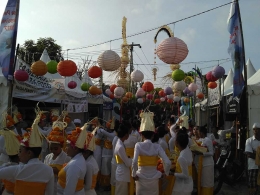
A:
[235,48]
[8,34]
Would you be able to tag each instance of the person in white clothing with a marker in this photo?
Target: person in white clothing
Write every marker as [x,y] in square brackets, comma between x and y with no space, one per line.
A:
[173,126]
[183,172]
[77,122]
[123,161]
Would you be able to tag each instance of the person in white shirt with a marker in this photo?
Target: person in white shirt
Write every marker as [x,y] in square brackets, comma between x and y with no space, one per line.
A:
[146,155]
[252,144]
[31,176]
[123,161]
[77,122]
[183,173]
[173,131]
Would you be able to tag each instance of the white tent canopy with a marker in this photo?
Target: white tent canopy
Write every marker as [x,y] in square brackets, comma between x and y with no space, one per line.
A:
[228,81]
[250,69]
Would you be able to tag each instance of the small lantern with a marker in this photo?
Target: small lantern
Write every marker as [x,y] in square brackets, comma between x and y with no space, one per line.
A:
[148,86]
[85,86]
[125,99]
[137,76]
[178,75]
[212,85]
[186,90]
[109,60]
[200,95]
[170,101]
[93,90]
[179,85]
[94,72]
[149,96]
[72,85]
[176,98]
[108,92]
[117,97]
[119,91]
[112,88]
[186,100]
[168,90]
[21,75]
[140,92]
[52,66]
[218,72]
[192,87]
[172,50]
[170,96]
[140,100]
[161,93]
[162,99]
[67,68]
[111,96]
[129,95]
[39,68]
[157,101]
[210,77]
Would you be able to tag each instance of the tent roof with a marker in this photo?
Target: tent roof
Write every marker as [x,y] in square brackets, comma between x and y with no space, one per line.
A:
[250,69]
[228,81]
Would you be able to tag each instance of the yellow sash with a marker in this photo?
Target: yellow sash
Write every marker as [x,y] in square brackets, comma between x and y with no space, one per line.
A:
[94,181]
[59,167]
[167,138]
[98,142]
[9,186]
[62,180]
[118,159]
[147,160]
[108,144]
[130,152]
[25,187]
[167,152]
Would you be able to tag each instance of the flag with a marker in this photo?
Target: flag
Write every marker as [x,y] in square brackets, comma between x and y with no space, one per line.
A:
[235,48]
[8,34]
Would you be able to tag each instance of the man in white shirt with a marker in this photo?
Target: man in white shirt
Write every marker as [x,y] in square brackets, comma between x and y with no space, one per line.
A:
[251,145]
[77,122]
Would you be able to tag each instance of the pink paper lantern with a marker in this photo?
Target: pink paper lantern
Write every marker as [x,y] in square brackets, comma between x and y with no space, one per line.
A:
[72,85]
[149,96]
[117,97]
[21,75]
[186,90]
[140,92]
[108,92]
[119,91]
[210,77]
[192,87]
[172,50]
[162,99]
[218,72]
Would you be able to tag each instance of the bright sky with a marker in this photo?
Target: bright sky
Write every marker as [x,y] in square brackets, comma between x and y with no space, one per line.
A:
[81,23]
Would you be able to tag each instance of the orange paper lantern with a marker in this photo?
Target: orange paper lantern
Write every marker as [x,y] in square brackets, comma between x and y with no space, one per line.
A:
[186,100]
[39,68]
[93,90]
[94,72]
[148,86]
[161,93]
[200,95]
[212,85]
[67,68]
[125,99]
[128,94]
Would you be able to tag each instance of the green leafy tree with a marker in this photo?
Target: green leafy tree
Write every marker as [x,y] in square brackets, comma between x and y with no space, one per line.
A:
[31,51]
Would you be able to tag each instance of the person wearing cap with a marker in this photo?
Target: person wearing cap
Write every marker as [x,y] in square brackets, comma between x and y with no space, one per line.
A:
[11,148]
[31,176]
[57,157]
[77,122]
[91,165]
[71,176]
[252,144]
[146,153]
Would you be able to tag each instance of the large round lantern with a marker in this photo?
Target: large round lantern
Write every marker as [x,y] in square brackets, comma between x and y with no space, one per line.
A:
[157,101]
[148,86]
[172,50]
[200,95]
[179,85]
[52,66]
[39,68]
[72,85]
[67,68]
[85,86]
[218,71]
[119,91]
[140,92]
[112,88]
[210,77]
[108,92]
[193,87]
[21,75]
[168,90]
[212,85]
[140,100]
[109,60]
[178,75]
[137,76]
[93,90]
[176,98]
[94,72]
[128,95]
[161,93]
[149,96]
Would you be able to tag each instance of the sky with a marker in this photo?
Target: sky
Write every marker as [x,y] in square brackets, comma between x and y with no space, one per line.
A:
[81,23]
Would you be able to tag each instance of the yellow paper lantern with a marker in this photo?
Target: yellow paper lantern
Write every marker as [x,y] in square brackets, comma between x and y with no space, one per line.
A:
[39,68]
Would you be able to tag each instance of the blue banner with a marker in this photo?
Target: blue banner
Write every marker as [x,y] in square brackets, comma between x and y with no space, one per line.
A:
[235,48]
[8,34]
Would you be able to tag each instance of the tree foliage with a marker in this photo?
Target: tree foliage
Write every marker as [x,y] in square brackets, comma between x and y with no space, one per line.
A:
[31,51]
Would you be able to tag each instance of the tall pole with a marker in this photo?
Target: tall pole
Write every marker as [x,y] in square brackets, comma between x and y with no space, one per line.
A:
[132,64]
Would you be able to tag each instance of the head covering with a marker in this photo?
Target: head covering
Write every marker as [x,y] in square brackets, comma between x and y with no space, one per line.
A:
[57,135]
[77,121]
[147,123]
[55,113]
[256,126]
[78,137]
[12,143]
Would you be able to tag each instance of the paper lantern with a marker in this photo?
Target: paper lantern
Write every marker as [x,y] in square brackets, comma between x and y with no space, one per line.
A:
[210,77]
[21,75]
[162,99]
[117,97]
[192,87]
[161,93]
[140,92]
[140,100]
[72,85]
[212,85]
[186,100]
[149,96]
[177,93]
[170,101]
[93,90]
[200,95]
[67,68]
[148,86]
[186,90]
[111,96]
[168,90]
[172,50]
[52,67]
[178,75]
[119,91]
[157,101]
[109,60]
[179,85]
[137,76]
[176,98]
[170,96]
[174,66]
[94,72]
[112,88]
[39,68]
[108,92]
[129,95]
[218,72]
[85,86]
[125,99]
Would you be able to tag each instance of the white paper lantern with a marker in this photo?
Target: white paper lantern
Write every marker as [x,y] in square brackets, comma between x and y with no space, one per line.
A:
[179,85]
[109,60]
[162,99]
[108,92]
[170,96]
[176,98]
[192,87]
[140,100]
[140,92]
[117,97]
[137,76]
[119,91]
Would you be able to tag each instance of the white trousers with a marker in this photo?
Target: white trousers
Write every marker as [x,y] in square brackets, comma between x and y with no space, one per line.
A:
[113,175]
[121,188]
[207,176]
[147,186]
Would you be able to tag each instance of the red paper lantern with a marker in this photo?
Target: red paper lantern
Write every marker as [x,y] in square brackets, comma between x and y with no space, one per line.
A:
[148,86]
[21,75]
[111,96]
[112,87]
[67,68]
[161,93]
[200,95]
[210,77]
[170,101]
[212,85]
[157,101]
[94,72]
[72,85]
[129,95]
